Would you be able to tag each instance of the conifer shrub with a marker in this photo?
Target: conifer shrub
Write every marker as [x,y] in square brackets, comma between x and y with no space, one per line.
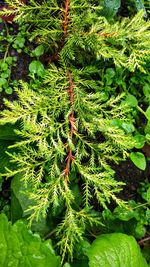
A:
[67,131]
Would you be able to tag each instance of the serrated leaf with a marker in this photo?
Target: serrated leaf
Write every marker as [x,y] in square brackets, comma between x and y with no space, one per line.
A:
[115,250]
[138,159]
[21,248]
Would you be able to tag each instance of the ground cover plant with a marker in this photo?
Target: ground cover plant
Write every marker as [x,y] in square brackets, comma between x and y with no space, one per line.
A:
[72,116]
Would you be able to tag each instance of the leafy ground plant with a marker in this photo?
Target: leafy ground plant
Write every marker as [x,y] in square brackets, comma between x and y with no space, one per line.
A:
[11,45]
[115,250]
[19,247]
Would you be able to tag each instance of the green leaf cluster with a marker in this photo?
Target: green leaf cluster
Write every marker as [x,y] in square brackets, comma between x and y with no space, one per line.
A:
[41,153]
[125,42]
[111,250]
[20,247]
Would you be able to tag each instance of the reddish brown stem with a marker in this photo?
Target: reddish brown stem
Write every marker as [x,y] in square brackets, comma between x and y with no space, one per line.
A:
[70,88]
[71,117]
[142,241]
[65,18]
[71,120]
[105,34]
[68,164]
[55,57]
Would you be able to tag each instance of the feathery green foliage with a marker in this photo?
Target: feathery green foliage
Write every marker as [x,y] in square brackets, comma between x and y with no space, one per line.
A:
[48,152]
[83,29]
[67,131]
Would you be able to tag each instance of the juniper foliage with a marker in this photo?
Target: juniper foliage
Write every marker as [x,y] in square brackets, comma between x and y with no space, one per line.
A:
[67,134]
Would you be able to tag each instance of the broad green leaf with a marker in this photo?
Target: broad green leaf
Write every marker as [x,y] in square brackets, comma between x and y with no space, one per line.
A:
[140,5]
[128,127]
[115,250]
[38,51]
[111,72]
[116,122]
[4,158]
[36,67]
[21,248]
[3,81]
[109,81]
[148,194]
[7,138]
[21,192]
[19,42]
[140,140]
[148,137]
[9,60]
[131,100]
[140,230]
[8,90]
[79,264]
[147,113]
[5,74]
[125,214]
[4,66]
[20,202]
[81,250]
[77,194]
[147,128]
[138,159]
[110,8]
[146,90]
[16,210]
[7,132]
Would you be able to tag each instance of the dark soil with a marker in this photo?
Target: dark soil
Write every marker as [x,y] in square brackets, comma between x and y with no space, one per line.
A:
[123,10]
[128,173]
[19,72]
